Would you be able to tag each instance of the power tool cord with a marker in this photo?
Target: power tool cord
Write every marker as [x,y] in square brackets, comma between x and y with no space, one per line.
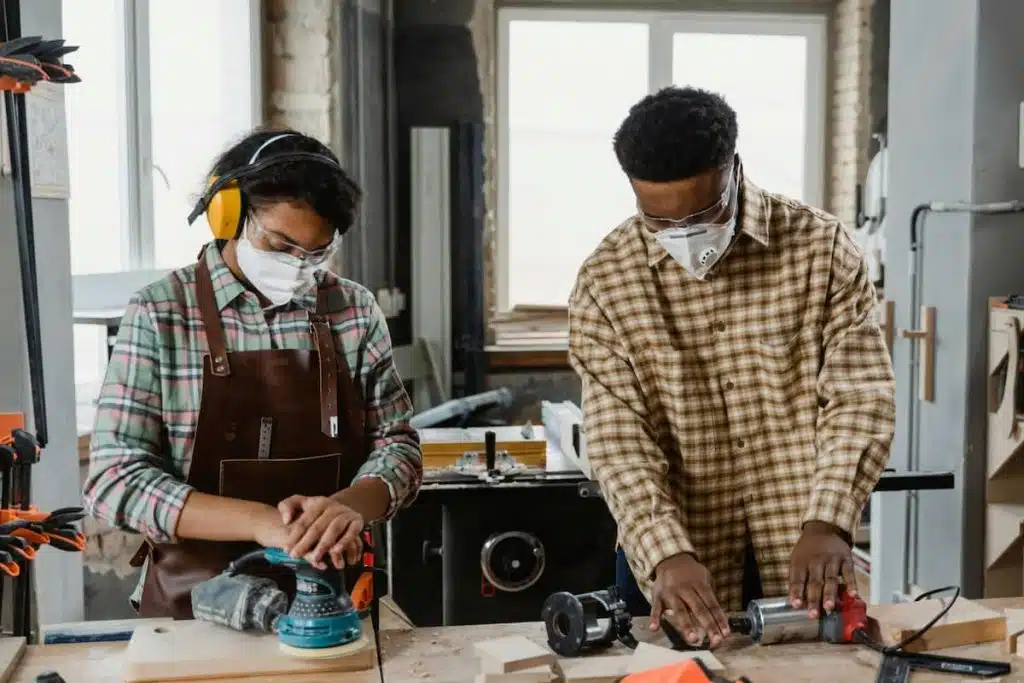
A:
[863,638]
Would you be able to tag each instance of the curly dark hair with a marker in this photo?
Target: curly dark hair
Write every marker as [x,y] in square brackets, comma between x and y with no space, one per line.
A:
[326,188]
[674,134]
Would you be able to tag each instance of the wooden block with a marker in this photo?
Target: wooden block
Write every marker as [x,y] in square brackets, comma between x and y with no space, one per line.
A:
[1014,631]
[967,623]
[647,656]
[540,674]
[599,669]
[11,650]
[190,650]
[513,653]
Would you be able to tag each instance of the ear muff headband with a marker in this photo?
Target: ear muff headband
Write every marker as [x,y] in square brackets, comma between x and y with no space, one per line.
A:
[222,201]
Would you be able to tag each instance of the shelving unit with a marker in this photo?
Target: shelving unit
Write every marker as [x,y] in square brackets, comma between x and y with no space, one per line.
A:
[1004,510]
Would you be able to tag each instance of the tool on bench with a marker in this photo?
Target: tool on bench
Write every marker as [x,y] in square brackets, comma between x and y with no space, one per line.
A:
[321,620]
[590,621]
[690,671]
[774,620]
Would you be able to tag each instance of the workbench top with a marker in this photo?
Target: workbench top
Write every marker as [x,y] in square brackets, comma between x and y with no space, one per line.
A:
[445,655]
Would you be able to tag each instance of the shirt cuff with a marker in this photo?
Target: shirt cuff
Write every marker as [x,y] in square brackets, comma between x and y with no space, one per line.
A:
[658,541]
[177,494]
[838,509]
[393,503]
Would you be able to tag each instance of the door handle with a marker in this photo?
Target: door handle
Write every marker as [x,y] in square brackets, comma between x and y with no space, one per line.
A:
[888,323]
[926,345]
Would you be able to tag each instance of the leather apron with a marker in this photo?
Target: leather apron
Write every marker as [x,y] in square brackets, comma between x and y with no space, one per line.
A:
[271,424]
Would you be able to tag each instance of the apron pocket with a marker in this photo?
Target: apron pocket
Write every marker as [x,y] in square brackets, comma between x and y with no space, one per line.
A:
[271,481]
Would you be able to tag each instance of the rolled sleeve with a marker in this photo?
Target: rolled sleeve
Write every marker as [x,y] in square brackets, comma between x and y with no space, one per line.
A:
[128,485]
[625,459]
[395,456]
[856,390]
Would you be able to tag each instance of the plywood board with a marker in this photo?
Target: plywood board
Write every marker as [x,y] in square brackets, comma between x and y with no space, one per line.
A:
[11,650]
[513,653]
[967,623]
[594,669]
[189,650]
[647,656]
[540,674]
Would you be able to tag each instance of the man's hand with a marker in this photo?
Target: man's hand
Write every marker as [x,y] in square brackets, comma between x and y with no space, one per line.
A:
[820,559]
[683,595]
[318,526]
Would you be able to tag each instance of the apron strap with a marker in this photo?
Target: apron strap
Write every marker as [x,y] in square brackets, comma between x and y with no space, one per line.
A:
[211,318]
[338,387]
[323,339]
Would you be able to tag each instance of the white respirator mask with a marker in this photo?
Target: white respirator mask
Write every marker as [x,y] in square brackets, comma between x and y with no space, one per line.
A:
[278,275]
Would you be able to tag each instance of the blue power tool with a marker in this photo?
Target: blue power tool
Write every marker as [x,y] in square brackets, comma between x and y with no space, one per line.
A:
[321,621]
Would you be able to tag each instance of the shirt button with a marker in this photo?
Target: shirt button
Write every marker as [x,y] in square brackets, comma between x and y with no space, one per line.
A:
[729,385]
[740,443]
[720,326]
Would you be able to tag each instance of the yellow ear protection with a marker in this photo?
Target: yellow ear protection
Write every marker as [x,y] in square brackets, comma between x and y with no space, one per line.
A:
[223,202]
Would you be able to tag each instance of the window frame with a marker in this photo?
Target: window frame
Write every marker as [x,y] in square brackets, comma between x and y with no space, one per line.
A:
[135,152]
[662,27]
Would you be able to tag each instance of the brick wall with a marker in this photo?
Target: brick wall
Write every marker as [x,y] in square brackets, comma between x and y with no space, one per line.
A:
[850,115]
[300,79]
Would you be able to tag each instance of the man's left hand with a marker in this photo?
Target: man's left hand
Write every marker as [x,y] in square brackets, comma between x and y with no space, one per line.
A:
[320,526]
[820,559]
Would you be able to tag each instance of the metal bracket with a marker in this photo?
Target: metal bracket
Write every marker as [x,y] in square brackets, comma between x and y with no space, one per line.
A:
[926,335]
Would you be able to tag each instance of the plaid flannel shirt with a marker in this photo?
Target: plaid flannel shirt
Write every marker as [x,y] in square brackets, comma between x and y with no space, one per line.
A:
[148,407]
[753,401]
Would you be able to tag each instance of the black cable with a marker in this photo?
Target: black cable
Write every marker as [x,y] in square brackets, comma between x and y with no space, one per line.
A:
[897,650]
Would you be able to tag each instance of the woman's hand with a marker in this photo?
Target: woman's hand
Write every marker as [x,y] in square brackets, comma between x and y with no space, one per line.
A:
[319,526]
[268,530]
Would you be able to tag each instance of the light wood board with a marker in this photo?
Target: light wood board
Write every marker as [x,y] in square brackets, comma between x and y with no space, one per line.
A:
[189,650]
[967,623]
[11,650]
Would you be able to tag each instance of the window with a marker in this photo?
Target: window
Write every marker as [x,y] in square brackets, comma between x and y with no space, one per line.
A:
[162,95]
[567,79]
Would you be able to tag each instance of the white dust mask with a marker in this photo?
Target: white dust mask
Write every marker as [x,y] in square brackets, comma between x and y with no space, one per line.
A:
[278,276]
[697,247]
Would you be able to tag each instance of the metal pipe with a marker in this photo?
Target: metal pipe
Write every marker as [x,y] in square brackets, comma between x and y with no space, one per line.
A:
[917,222]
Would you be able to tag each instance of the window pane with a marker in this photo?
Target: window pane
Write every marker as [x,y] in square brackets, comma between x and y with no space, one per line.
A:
[570,86]
[764,78]
[96,123]
[202,101]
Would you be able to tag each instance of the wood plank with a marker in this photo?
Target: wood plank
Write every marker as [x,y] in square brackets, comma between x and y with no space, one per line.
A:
[648,656]
[967,623]
[11,651]
[197,650]
[512,653]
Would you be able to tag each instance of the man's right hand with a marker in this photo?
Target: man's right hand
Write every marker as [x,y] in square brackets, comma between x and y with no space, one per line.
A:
[268,529]
[683,596]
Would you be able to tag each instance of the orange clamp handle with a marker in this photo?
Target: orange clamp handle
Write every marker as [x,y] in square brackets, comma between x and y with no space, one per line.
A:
[362,592]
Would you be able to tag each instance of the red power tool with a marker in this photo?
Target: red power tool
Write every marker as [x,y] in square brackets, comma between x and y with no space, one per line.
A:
[774,620]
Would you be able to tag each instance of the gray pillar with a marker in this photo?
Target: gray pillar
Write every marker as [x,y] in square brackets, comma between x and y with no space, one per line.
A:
[956,78]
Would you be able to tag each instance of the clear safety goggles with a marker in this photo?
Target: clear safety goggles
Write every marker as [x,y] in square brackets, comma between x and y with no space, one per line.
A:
[265,240]
[719,213]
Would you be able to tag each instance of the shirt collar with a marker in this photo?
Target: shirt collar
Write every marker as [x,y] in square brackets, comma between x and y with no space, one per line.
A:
[752,221]
[227,288]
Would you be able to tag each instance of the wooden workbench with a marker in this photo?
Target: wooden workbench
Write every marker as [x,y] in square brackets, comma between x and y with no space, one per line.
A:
[444,655]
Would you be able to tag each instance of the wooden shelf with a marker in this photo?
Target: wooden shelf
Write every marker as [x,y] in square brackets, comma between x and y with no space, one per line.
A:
[1004,514]
[512,359]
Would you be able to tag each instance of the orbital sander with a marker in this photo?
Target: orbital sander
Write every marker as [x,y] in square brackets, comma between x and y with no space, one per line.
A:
[321,622]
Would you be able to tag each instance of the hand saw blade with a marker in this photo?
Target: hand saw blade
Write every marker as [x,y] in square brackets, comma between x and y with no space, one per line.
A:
[893,670]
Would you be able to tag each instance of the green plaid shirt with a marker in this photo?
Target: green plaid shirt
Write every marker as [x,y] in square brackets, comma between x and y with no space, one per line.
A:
[151,392]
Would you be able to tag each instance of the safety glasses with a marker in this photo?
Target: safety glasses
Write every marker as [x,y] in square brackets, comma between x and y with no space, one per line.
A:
[718,213]
[265,240]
